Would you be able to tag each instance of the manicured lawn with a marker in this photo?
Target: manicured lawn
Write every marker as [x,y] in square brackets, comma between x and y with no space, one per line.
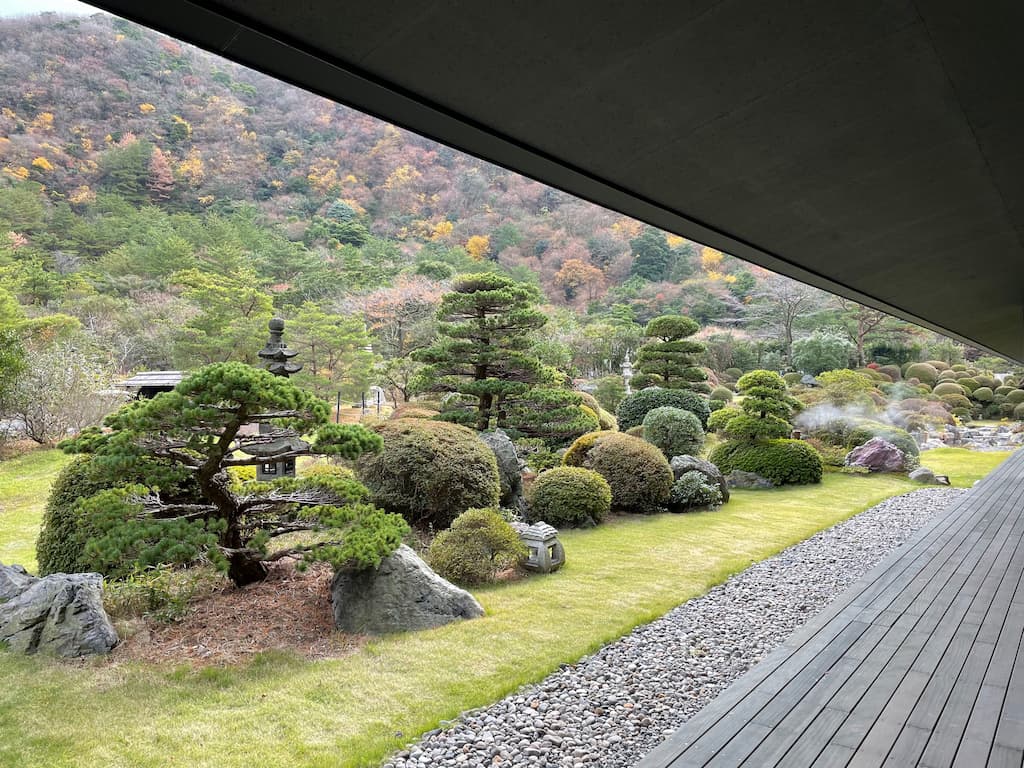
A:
[24,483]
[282,711]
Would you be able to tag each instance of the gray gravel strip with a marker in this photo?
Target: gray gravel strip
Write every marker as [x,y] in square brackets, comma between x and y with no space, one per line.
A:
[610,708]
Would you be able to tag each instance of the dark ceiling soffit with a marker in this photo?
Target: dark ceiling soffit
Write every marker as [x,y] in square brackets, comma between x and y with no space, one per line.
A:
[267,50]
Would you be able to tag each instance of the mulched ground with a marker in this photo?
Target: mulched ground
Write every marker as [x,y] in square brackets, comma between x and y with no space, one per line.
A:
[289,611]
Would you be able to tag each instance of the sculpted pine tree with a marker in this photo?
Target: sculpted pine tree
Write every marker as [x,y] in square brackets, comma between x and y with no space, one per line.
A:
[192,436]
[668,358]
[485,326]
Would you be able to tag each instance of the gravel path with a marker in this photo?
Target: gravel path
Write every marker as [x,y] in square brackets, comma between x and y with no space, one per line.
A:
[610,708]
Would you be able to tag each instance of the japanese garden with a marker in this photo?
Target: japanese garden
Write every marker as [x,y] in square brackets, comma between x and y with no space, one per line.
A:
[434,464]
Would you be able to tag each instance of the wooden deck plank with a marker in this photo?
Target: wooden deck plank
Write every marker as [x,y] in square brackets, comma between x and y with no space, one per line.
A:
[916,664]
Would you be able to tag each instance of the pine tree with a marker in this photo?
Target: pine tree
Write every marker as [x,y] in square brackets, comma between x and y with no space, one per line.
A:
[486,323]
[195,435]
[668,359]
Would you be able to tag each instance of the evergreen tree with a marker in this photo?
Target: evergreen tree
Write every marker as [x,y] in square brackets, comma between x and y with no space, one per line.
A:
[195,434]
[765,412]
[652,255]
[668,358]
[486,323]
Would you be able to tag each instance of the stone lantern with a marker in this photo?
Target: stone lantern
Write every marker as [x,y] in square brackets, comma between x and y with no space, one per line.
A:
[277,359]
[546,553]
[275,354]
[627,373]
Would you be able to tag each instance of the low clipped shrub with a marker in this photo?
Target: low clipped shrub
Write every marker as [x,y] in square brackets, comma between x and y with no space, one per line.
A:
[783,462]
[938,365]
[986,381]
[956,401]
[948,388]
[733,373]
[1015,396]
[570,497]
[637,472]
[693,491]
[1018,412]
[719,420]
[1003,390]
[637,431]
[673,431]
[577,453]
[716,405]
[430,472]
[792,378]
[479,545]
[892,371]
[721,393]
[413,412]
[923,372]
[635,407]
[983,394]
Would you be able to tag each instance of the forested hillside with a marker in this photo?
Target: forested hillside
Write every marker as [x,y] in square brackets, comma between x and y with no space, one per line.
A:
[158,205]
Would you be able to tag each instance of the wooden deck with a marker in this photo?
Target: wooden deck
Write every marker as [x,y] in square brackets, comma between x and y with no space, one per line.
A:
[917,664]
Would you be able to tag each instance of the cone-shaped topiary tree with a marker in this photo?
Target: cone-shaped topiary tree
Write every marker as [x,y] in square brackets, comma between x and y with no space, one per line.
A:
[668,358]
[485,323]
[196,433]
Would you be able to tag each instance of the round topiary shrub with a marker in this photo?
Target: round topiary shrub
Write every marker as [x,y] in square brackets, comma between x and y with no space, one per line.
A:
[1018,412]
[956,401]
[639,475]
[479,545]
[792,378]
[783,462]
[892,371]
[938,365]
[983,394]
[577,453]
[693,491]
[922,372]
[721,393]
[570,497]
[733,373]
[1015,396]
[430,472]
[1003,390]
[948,388]
[605,420]
[635,407]
[674,431]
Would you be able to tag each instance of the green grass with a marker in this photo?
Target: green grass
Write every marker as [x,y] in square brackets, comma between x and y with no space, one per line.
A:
[24,483]
[283,711]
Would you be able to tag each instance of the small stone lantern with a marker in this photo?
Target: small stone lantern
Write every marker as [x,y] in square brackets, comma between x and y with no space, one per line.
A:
[546,553]
[276,358]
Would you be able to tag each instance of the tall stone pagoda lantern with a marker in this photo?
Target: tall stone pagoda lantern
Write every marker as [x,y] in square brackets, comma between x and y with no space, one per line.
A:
[277,359]
[627,373]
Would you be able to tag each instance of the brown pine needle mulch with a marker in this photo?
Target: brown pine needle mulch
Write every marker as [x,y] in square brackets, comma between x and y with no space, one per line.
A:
[289,611]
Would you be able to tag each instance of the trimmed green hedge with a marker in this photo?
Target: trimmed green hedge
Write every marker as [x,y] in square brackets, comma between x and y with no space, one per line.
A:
[637,472]
[783,462]
[673,431]
[430,472]
[570,497]
[476,548]
[635,407]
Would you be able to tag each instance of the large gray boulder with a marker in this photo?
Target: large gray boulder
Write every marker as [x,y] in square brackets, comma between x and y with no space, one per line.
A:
[13,581]
[877,455]
[685,463]
[928,477]
[60,615]
[509,470]
[401,594]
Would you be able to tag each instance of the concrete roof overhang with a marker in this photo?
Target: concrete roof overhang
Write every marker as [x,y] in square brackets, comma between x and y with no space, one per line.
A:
[872,149]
